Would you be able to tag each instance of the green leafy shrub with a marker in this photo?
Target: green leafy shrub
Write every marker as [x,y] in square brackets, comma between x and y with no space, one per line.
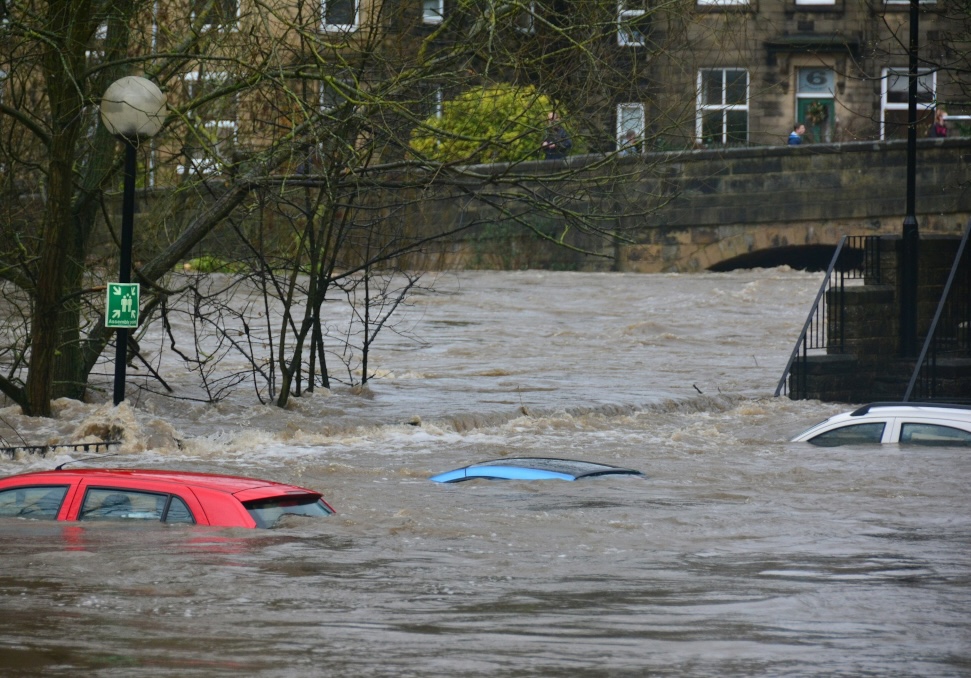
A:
[495,123]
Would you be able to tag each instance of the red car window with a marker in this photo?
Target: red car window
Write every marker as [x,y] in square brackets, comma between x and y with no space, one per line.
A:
[266,512]
[177,512]
[108,503]
[40,502]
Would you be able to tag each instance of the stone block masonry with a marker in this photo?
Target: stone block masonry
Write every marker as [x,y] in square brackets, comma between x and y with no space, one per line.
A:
[743,200]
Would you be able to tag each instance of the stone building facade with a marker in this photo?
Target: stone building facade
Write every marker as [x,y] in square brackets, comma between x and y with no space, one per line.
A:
[754,68]
[688,73]
[677,75]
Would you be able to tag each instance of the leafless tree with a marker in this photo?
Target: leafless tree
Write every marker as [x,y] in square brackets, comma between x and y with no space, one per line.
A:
[296,112]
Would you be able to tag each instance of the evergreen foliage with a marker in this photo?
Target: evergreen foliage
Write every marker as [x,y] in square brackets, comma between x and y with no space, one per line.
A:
[493,123]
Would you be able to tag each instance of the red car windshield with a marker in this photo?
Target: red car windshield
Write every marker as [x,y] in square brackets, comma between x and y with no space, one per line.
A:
[267,512]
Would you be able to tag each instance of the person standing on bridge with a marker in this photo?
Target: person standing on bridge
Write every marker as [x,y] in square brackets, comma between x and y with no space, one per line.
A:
[938,128]
[795,136]
[557,142]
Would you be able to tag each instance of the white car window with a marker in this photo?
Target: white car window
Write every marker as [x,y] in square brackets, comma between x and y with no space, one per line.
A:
[853,434]
[933,434]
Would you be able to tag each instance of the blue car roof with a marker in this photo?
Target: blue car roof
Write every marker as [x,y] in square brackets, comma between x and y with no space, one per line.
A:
[532,468]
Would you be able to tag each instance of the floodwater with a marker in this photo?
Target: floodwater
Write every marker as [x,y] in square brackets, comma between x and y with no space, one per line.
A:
[739,554]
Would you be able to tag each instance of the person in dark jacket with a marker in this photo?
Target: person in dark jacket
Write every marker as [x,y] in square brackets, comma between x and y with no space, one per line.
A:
[557,142]
[795,136]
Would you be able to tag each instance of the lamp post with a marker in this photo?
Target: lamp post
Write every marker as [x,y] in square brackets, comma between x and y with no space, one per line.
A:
[909,250]
[133,109]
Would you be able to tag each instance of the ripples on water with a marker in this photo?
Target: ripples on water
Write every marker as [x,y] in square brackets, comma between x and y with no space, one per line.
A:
[738,554]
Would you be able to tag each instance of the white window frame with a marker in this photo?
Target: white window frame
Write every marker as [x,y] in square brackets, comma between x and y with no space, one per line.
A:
[333,28]
[625,16]
[155,26]
[433,94]
[902,72]
[432,11]
[439,97]
[233,26]
[623,118]
[208,165]
[94,57]
[702,108]
[152,161]
[530,13]
[818,2]
[907,2]
[722,3]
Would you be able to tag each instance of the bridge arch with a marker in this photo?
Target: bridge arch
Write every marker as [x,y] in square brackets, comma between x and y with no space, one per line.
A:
[723,248]
[800,257]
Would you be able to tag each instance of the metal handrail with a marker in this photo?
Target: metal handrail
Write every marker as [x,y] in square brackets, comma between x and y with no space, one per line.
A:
[869,268]
[932,332]
[801,341]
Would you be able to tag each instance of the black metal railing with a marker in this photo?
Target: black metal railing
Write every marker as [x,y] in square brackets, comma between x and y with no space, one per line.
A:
[13,451]
[855,257]
[949,335]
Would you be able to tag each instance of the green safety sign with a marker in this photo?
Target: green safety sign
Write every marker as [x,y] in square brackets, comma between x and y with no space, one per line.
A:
[121,305]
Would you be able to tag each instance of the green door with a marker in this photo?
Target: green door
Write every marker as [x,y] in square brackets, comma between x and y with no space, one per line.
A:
[819,117]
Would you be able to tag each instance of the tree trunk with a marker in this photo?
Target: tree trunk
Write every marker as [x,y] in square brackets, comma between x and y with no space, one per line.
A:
[62,63]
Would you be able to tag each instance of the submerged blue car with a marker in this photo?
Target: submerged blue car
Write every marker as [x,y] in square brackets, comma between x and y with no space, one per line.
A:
[532,468]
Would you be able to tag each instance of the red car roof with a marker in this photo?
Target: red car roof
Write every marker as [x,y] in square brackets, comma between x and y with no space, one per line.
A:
[253,488]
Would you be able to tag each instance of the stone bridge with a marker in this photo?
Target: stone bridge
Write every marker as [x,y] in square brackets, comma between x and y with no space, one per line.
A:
[757,207]
[767,206]
[706,209]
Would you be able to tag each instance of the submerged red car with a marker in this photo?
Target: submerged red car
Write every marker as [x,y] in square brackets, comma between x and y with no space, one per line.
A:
[165,496]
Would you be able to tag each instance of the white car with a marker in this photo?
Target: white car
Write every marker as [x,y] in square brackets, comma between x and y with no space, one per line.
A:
[905,423]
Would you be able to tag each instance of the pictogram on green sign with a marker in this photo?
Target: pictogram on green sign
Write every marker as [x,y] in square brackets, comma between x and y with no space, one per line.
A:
[121,306]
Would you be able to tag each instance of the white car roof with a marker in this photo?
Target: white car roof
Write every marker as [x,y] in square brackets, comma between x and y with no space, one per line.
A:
[925,409]
[879,411]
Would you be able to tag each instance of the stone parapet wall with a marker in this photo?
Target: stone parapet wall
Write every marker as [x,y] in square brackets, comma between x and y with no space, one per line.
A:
[687,211]
[709,206]
[819,182]
[729,203]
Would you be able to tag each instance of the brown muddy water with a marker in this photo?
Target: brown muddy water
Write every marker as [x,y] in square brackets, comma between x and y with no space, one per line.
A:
[738,553]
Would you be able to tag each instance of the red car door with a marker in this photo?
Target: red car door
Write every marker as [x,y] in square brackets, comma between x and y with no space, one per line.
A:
[145,499]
